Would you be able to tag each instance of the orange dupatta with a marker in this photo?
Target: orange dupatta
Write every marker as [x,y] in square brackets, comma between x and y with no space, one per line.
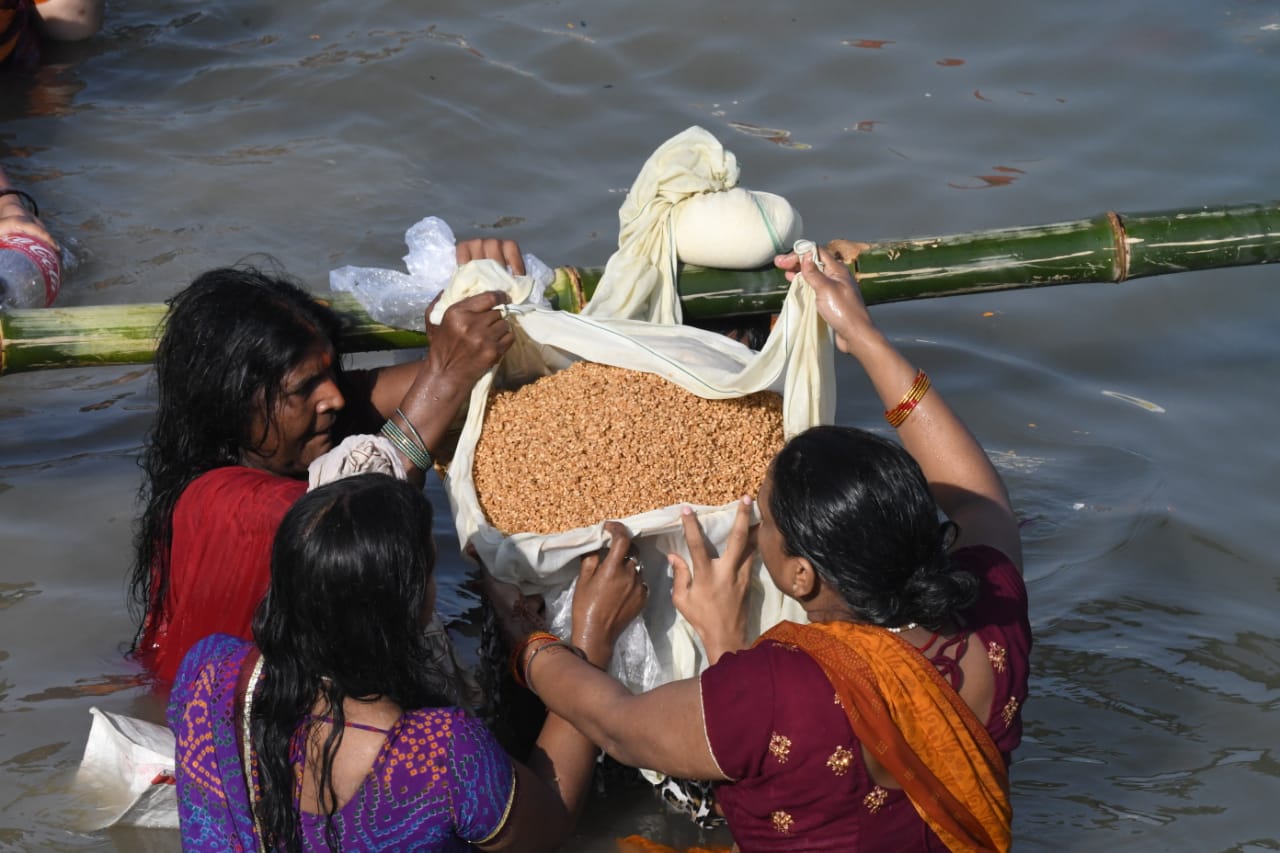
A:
[640,844]
[917,726]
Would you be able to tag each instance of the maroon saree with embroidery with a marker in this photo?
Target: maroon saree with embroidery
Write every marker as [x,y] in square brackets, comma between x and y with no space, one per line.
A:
[788,718]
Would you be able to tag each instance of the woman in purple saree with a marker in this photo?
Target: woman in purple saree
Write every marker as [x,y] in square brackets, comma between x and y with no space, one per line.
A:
[338,712]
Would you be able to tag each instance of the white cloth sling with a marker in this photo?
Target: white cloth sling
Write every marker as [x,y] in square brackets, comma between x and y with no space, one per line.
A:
[633,322]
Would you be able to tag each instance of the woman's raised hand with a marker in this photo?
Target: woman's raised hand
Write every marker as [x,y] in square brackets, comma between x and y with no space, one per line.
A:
[839,299]
[505,252]
[712,595]
[610,593]
[470,338]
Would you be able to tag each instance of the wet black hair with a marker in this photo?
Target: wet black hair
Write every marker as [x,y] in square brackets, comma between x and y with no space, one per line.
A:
[859,509]
[228,341]
[344,617]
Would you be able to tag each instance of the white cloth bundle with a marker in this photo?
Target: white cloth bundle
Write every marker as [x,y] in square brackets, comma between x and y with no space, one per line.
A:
[684,206]
[735,229]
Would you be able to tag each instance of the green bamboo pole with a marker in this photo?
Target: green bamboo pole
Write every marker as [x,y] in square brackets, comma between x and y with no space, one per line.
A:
[40,338]
[1110,247]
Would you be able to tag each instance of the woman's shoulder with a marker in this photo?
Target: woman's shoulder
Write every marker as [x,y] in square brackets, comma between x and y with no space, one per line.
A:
[770,668]
[244,480]
[1002,593]
[248,495]
[445,745]
[757,698]
[992,567]
[215,650]
[444,724]
[210,667]
[768,659]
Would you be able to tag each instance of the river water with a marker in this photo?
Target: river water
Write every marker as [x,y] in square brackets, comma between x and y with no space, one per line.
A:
[1131,420]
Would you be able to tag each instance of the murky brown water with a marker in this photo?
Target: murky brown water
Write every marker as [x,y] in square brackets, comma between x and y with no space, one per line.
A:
[191,135]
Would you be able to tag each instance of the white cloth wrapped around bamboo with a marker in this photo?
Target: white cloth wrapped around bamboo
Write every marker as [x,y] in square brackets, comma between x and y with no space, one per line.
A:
[399,299]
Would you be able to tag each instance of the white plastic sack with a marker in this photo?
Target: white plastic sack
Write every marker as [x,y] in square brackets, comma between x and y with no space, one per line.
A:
[797,361]
[399,299]
[127,773]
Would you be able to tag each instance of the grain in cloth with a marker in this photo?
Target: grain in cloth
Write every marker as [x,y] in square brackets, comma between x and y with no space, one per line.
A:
[594,442]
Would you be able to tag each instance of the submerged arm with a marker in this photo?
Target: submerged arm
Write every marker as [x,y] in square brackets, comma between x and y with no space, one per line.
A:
[70,20]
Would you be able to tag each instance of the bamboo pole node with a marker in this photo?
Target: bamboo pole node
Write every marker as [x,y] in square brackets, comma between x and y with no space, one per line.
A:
[575,281]
[1121,241]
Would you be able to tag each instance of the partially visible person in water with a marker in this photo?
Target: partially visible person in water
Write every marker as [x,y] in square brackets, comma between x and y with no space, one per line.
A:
[887,722]
[19,213]
[333,731]
[253,404]
[24,23]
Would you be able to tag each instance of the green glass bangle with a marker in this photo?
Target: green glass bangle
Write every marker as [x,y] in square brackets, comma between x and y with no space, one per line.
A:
[420,458]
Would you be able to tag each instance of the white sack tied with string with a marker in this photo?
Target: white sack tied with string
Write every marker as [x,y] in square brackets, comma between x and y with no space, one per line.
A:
[686,205]
[796,361]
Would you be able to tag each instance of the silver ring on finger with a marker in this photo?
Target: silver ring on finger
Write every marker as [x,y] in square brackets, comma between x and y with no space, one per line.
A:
[632,558]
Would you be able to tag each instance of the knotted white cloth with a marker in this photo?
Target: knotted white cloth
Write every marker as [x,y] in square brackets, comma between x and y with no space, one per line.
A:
[357,454]
[685,205]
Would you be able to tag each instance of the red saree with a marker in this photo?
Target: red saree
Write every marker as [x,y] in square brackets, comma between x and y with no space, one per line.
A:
[219,562]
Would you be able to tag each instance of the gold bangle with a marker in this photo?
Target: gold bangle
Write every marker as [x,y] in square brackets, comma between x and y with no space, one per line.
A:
[899,413]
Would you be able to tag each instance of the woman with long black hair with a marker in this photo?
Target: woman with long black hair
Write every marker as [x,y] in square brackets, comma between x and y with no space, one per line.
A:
[332,730]
[251,393]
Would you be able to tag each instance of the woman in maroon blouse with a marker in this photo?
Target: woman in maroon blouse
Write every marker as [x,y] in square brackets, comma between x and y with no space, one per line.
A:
[887,722]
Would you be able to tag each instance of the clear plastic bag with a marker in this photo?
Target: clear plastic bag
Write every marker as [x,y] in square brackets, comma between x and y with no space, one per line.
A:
[400,298]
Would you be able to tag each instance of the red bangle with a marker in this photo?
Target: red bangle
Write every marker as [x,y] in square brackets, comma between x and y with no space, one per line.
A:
[899,413]
[518,653]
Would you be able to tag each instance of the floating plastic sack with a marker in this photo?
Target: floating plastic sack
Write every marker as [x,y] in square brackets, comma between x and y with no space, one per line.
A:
[399,299]
[127,773]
